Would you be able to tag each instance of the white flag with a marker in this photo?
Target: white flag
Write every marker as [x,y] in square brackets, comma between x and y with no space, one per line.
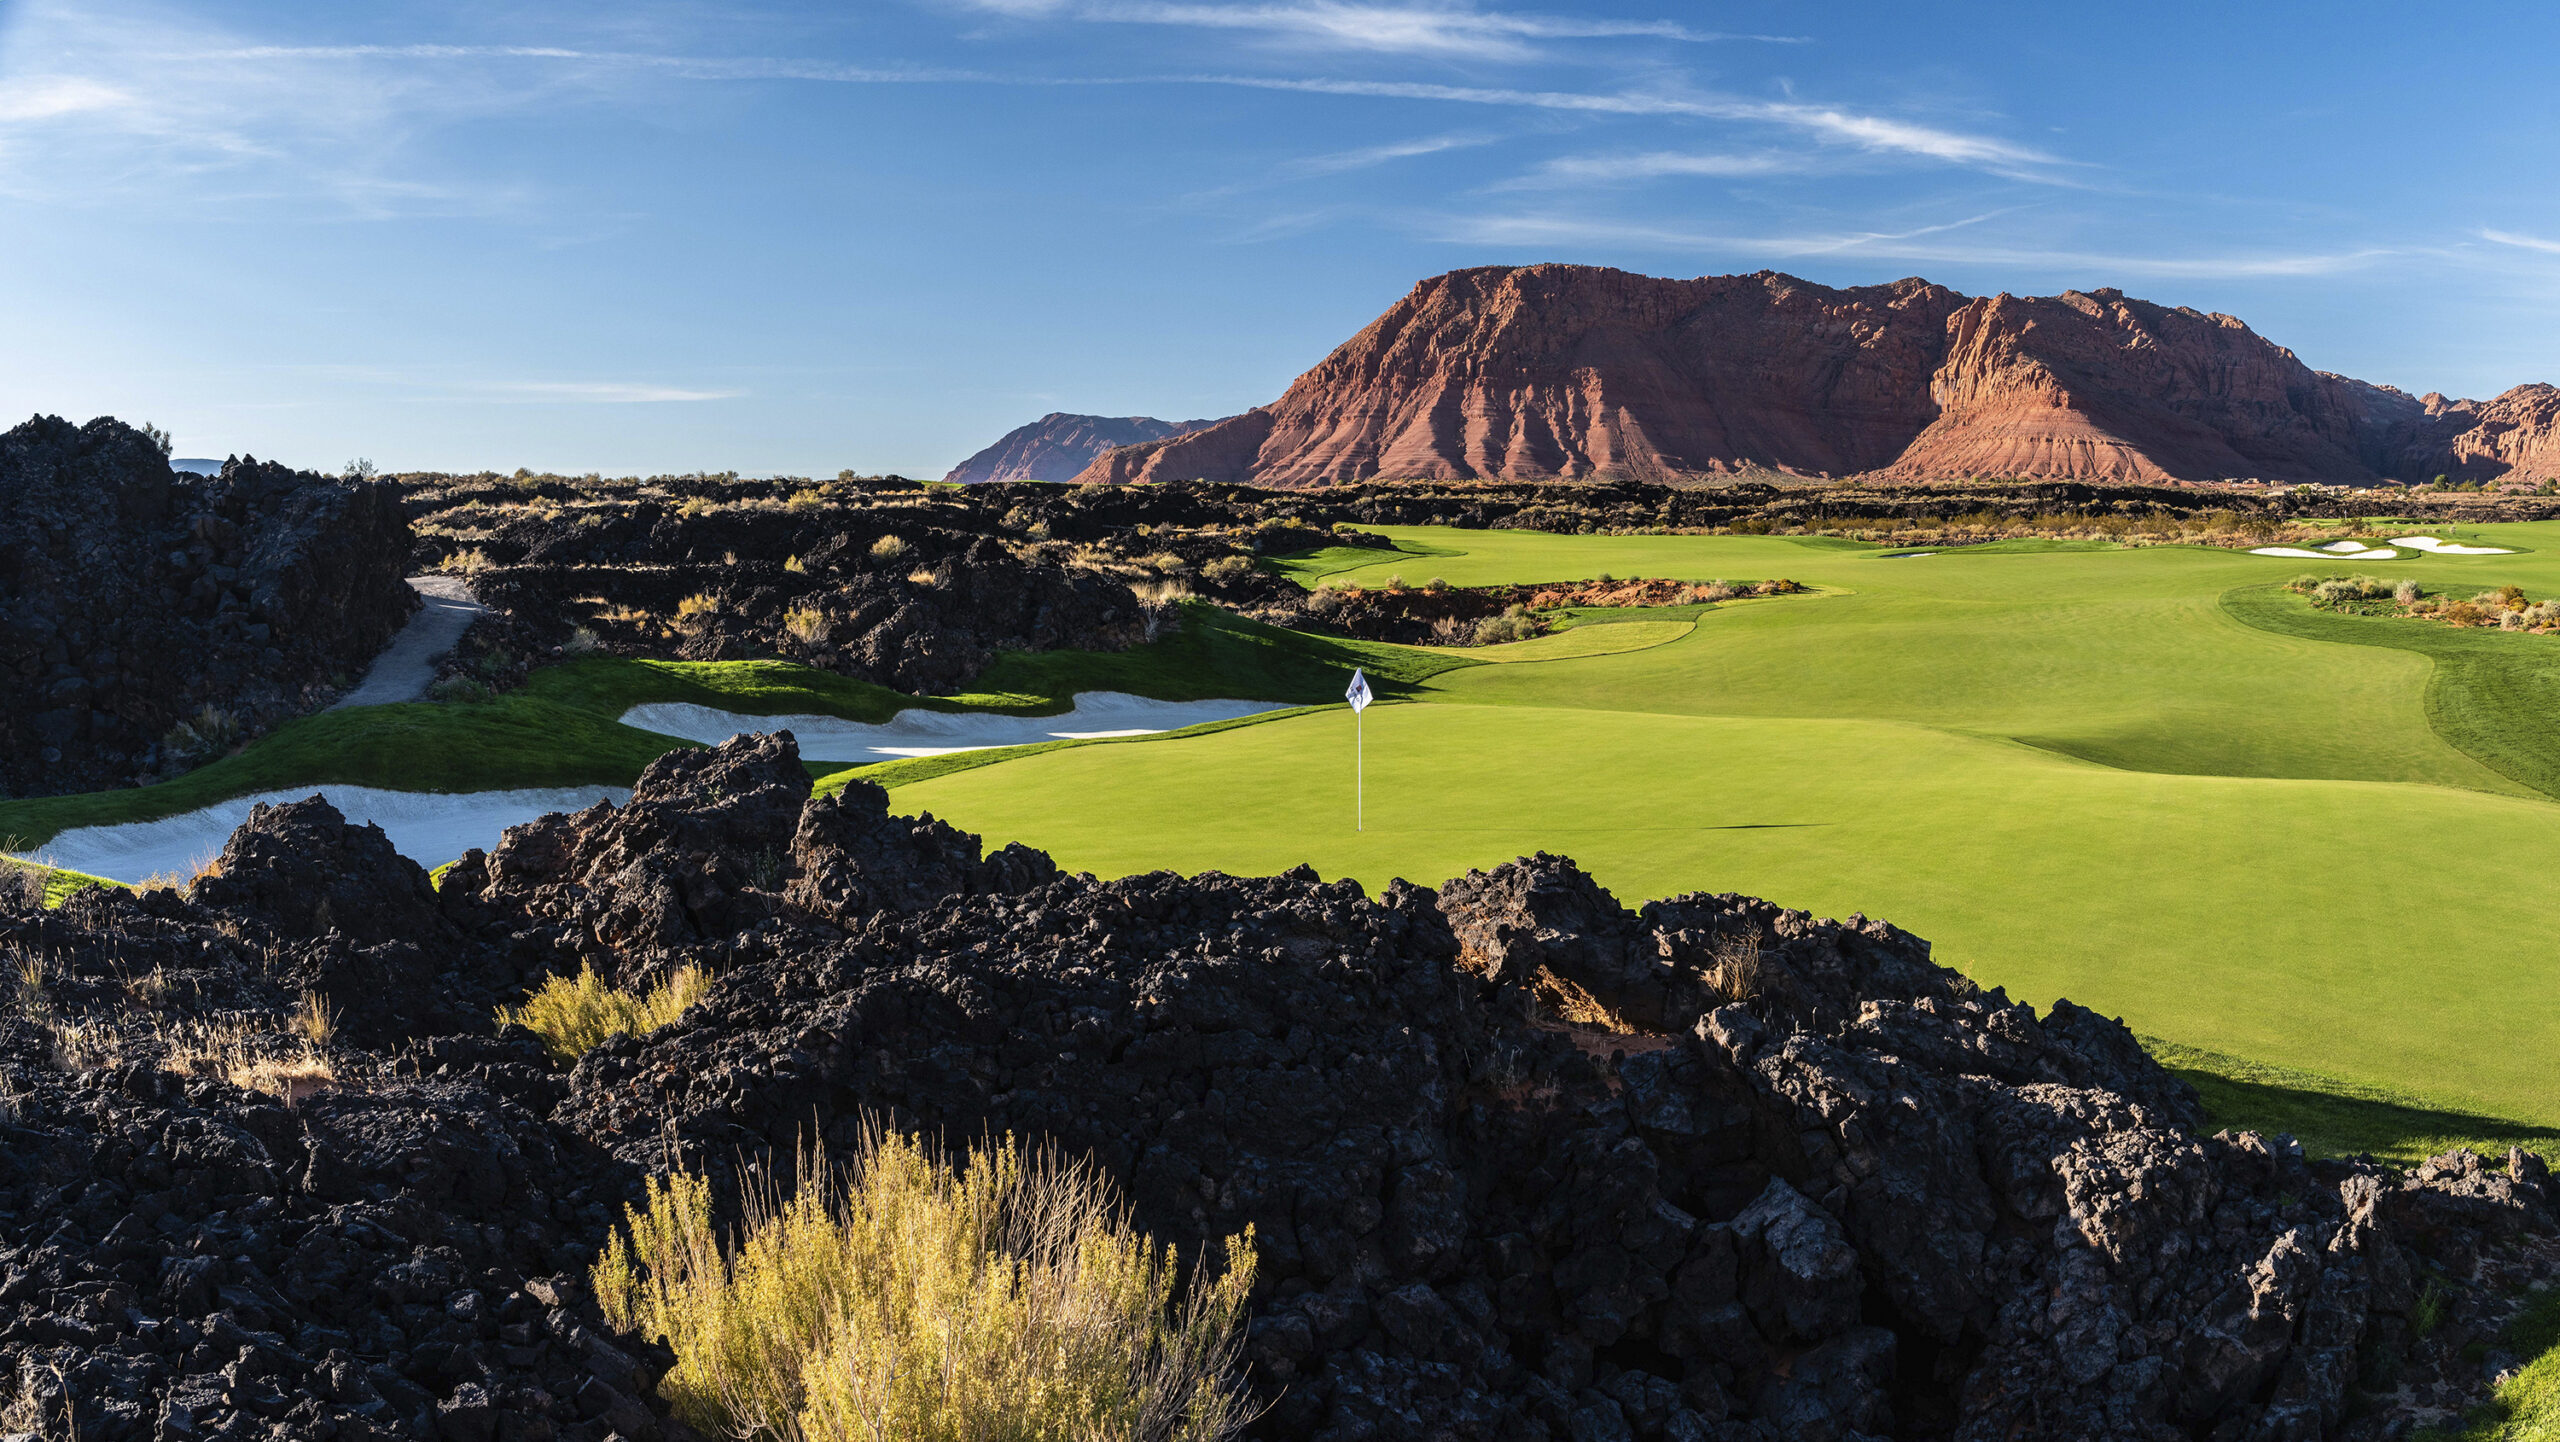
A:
[1358,695]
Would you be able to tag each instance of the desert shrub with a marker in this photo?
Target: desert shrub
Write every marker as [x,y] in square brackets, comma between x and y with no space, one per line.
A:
[2406,591]
[1227,569]
[700,603]
[468,562]
[888,548]
[806,624]
[1160,606]
[2466,613]
[693,506]
[1007,1297]
[805,501]
[1735,972]
[582,642]
[22,886]
[208,734]
[459,691]
[1512,625]
[928,576]
[1436,585]
[573,1014]
[1164,563]
[2505,598]
[794,566]
[2542,613]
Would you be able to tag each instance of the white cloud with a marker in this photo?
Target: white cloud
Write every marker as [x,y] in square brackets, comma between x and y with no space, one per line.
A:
[1440,30]
[1375,155]
[2523,242]
[611,393]
[1831,123]
[1648,165]
[1902,245]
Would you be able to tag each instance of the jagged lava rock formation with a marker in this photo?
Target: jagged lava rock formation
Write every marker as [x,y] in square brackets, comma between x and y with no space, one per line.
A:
[1058,445]
[132,595]
[1521,1163]
[1575,371]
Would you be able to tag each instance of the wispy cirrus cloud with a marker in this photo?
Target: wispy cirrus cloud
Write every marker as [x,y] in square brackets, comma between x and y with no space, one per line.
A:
[1573,170]
[1827,122]
[1913,244]
[1446,30]
[2521,242]
[601,393]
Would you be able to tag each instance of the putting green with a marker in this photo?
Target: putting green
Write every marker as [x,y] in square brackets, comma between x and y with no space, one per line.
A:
[2075,771]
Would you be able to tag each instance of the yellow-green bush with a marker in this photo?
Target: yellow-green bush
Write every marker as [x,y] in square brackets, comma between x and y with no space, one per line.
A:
[574,1014]
[1004,1300]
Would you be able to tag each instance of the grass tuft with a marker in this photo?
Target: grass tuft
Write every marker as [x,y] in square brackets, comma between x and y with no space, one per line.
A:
[1008,1297]
[573,1015]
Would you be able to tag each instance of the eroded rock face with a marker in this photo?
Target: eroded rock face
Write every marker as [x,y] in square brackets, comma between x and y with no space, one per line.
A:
[1056,446]
[1546,371]
[1521,1163]
[131,597]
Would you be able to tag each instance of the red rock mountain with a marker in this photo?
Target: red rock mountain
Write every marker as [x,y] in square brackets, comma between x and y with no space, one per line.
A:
[1056,446]
[1540,371]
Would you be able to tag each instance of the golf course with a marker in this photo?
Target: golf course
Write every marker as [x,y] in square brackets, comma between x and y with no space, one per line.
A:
[2147,779]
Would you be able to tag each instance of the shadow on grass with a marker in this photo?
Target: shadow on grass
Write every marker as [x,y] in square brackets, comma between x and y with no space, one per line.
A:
[2339,1118]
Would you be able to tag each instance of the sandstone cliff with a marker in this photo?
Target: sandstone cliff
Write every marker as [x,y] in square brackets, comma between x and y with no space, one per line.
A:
[1056,446]
[1549,371]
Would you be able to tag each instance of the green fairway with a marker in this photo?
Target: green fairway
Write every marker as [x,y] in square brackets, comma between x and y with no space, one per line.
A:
[2075,770]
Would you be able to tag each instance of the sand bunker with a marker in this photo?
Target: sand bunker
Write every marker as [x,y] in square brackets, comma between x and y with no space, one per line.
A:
[2328,553]
[939,733]
[2344,546]
[430,828]
[2448,548]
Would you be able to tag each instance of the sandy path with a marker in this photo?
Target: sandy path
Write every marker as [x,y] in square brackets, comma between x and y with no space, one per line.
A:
[404,668]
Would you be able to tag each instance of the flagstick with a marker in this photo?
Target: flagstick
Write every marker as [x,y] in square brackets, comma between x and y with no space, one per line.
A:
[1360,772]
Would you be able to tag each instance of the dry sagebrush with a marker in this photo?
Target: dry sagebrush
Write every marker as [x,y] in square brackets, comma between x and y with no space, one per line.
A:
[1004,1299]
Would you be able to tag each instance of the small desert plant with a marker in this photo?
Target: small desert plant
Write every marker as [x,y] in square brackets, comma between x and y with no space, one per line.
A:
[460,691]
[2406,592]
[1436,585]
[805,500]
[22,886]
[700,604]
[793,565]
[582,642]
[573,1015]
[693,506]
[1512,625]
[927,576]
[315,1021]
[1004,1297]
[1227,570]
[211,732]
[470,561]
[888,548]
[1735,972]
[806,624]
[1160,606]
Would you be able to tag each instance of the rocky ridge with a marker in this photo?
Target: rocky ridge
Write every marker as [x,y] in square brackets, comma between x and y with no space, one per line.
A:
[1056,446]
[133,598]
[1523,1163]
[1532,372]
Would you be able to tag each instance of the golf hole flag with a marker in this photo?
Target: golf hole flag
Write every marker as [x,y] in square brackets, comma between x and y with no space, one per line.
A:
[1358,695]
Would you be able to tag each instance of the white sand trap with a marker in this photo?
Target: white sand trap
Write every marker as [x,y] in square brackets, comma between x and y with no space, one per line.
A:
[2328,553]
[2448,548]
[2290,551]
[939,733]
[430,828]
[2344,546]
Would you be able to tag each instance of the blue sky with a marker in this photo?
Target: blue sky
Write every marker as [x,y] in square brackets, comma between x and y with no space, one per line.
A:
[877,233]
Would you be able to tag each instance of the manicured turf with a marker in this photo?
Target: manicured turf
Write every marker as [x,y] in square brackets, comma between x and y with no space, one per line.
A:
[2077,771]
